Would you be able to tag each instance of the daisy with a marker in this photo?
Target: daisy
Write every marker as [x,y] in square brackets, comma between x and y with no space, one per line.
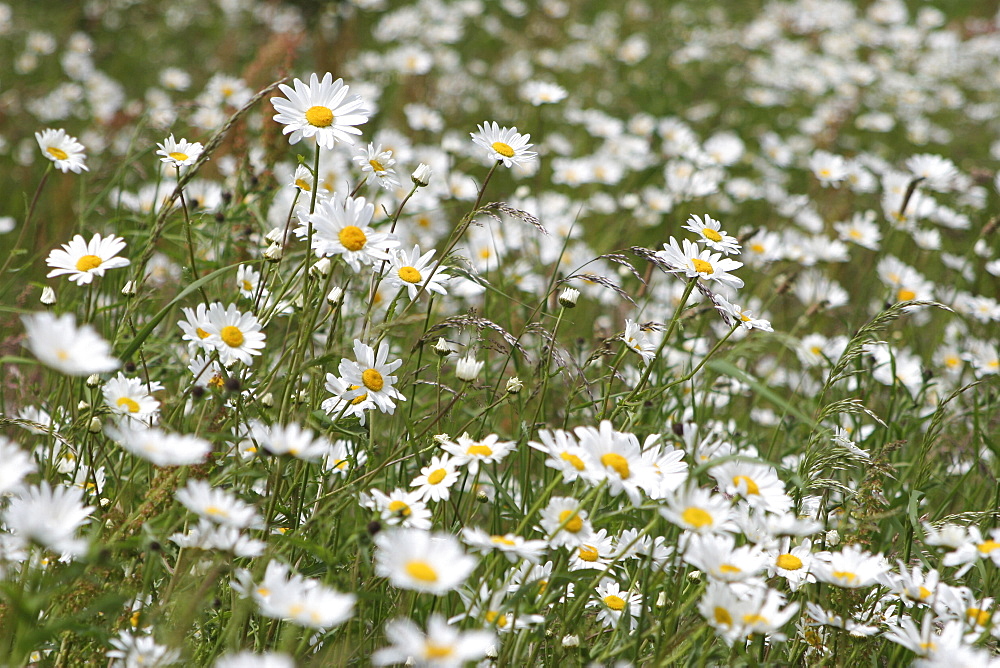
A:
[248,282]
[343,456]
[828,168]
[712,235]
[504,145]
[248,659]
[758,484]
[937,172]
[718,556]
[618,457]
[442,646]
[63,150]
[413,272]
[320,109]
[48,516]
[615,603]
[346,401]
[637,341]
[303,180]
[289,439]
[341,227]
[159,447]
[83,260]
[208,536]
[538,93]
[217,505]
[512,546]
[433,563]
[467,368]
[136,650]
[861,229]
[435,480]
[851,568]
[564,454]
[235,335]
[399,508]
[597,552]
[699,511]
[692,262]
[58,343]
[377,164]
[16,465]
[741,316]
[130,397]
[471,453]
[370,376]
[564,522]
[193,326]
[179,153]
[312,605]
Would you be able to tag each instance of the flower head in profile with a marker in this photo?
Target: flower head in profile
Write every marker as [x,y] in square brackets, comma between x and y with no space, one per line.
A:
[57,342]
[63,150]
[83,260]
[695,263]
[441,646]
[320,109]
[504,145]
[179,153]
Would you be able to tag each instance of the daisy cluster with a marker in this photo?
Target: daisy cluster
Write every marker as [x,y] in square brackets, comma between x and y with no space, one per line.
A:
[533,333]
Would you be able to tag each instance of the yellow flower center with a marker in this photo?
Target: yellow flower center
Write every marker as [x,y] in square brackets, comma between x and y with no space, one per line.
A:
[178,156]
[503,149]
[376,165]
[575,461]
[202,334]
[134,619]
[751,485]
[437,476]
[722,616]
[977,616]
[263,591]
[729,568]
[588,553]
[500,540]
[494,617]
[216,511]
[400,508]
[702,267]
[361,397]
[216,381]
[372,380]
[130,404]
[88,262]
[928,646]
[697,517]
[479,450]
[905,295]
[788,562]
[615,461]
[352,238]
[614,602]
[711,234]
[924,592]
[409,274]
[988,546]
[302,184]
[247,285]
[319,117]
[432,651]
[752,618]
[570,521]
[231,336]
[421,570]
[757,248]
[846,576]
[57,153]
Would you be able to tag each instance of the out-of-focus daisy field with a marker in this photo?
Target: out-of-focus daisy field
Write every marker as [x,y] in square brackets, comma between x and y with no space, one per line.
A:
[499,333]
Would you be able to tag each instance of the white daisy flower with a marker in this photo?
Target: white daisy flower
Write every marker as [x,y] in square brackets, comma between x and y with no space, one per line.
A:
[435,480]
[159,447]
[614,603]
[413,271]
[693,262]
[63,150]
[320,109]
[341,226]
[427,562]
[289,439]
[636,339]
[179,153]
[710,233]
[217,505]
[370,376]
[57,342]
[130,397]
[49,516]
[443,645]
[83,260]
[235,335]
[345,401]
[504,145]
[377,164]
[472,453]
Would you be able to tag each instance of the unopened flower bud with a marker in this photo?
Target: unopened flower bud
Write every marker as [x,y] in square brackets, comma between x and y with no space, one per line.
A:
[95,425]
[48,296]
[267,399]
[441,347]
[93,380]
[275,236]
[321,268]
[832,538]
[273,253]
[129,289]
[82,406]
[514,385]
[335,297]
[694,576]
[421,176]
[468,368]
[568,297]
[571,641]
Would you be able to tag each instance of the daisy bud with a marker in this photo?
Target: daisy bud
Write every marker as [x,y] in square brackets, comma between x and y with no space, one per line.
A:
[129,289]
[571,641]
[482,497]
[832,538]
[441,438]
[421,176]
[93,380]
[275,236]
[335,297]
[694,576]
[514,385]
[273,253]
[568,297]
[661,600]
[267,400]
[48,296]
[321,268]
[95,425]
[468,368]
[82,406]
[441,347]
